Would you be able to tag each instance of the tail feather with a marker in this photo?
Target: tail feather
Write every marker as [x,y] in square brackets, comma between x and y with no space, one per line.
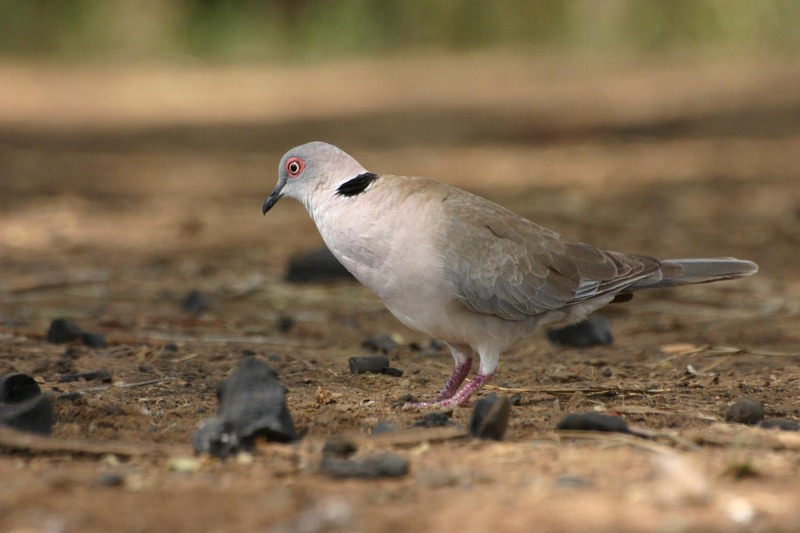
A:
[675,272]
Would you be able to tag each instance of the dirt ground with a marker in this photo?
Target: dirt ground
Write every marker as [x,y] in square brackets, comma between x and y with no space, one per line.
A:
[123,188]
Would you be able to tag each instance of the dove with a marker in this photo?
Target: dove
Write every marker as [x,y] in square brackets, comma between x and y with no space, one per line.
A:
[462,269]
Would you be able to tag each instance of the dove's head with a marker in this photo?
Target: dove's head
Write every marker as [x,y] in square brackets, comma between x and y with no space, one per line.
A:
[312,171]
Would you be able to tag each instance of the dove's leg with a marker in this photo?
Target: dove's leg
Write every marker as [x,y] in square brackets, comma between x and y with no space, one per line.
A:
[462,356]
[486,371]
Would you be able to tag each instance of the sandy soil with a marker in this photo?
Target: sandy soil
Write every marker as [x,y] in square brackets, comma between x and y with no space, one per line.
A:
[123,188]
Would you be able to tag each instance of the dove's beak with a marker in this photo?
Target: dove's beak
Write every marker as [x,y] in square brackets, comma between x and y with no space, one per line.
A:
[273,198]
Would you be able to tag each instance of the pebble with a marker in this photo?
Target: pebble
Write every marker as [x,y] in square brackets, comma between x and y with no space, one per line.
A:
[593,422]
[780,423]
[111,479]
[196,302]
[34,415]
[285,323]
[103,376]
[490,417]
[593,331]
[375,466]
[368,364]
[94,340]
[17,387]
[62,330]
[745,411]
[383,426]
[72,397]
[252,404]
[339,446]
[433,420]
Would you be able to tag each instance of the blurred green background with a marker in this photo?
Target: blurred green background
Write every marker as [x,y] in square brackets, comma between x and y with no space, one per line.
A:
[281,30]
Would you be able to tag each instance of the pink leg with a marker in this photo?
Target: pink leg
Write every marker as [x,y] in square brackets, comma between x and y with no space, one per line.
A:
[459,399]
[460,373]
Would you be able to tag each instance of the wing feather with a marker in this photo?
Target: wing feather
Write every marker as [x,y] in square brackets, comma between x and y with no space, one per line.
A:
[501,264]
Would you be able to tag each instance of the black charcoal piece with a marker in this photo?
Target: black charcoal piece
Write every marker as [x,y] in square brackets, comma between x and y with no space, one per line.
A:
[383,426]
[285,323]
[34,415]
[433,420]
[90,375]
[196,302]
[252,404]
[392,371]
[94,340]
[255,401]
[373,467]
[216,438]
[368,364]
[17,388]
[745,411]
[63,330]
[339,446]
[316,266]
[594,331]
[71,397]
[593,422]
[780,423]
[111,479]
[490,417]
[383,343]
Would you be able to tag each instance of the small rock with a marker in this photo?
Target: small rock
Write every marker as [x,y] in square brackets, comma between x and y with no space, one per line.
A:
[252,404]
[383,343]
[383,426]
[196,302]
[34,415]
[316,266]
[94,340]
[780,423]
[745,411]
[90,375]
[285,323]
[593,422]
[111,480]
[490,417]
[63,330]
[215,437]
[433,420]
[391,371]
[339,446]
[72,397]
[593,331]
[17,388]
[373,467]
[372,364]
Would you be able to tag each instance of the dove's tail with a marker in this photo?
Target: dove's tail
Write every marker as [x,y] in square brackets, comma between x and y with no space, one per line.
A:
[675,272]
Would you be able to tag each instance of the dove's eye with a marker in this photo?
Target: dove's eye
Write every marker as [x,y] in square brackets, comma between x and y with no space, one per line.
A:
[294,166]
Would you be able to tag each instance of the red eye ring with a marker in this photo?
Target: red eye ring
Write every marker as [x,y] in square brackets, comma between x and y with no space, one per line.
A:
[295,166]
